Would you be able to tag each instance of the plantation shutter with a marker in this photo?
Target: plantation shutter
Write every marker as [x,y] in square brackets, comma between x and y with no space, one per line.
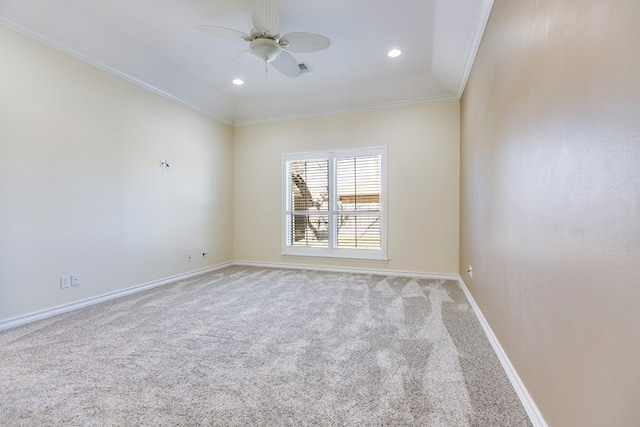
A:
[334,204]
[358,189]
[308,203]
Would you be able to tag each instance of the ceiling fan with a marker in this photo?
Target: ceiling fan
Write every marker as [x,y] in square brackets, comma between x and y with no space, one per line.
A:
[266,43]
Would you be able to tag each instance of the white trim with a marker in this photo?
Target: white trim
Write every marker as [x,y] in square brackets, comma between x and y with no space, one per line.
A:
[340,253]
[22,29]
[397,273]
[354,110]
[26,31]
[65,308]
[481,24]
[331,250]
[43,314]
[527,401]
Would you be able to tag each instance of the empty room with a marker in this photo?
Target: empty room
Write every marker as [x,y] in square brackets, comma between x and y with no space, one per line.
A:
[331,213]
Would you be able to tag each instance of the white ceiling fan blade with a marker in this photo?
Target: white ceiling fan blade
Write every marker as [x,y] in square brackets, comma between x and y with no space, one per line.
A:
[240,60]
[227,33]
[304,42]
[265,18]
[287,65]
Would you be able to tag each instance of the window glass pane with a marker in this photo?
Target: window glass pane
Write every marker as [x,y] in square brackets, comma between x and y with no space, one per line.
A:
[358,231]
[358,183]
[309,185]
[309,230]
[334,204]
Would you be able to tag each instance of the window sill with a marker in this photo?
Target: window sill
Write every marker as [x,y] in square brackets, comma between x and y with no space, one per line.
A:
[340,257]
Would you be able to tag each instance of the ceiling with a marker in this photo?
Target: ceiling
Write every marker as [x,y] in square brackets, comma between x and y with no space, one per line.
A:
[154,43]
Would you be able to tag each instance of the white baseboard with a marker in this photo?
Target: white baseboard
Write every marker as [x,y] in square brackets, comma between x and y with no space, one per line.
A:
[421,275]
[43,314]
[527,401]
[65,308]
[518,385]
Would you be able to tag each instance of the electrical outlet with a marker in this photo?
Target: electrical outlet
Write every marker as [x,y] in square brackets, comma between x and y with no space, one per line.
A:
[391,255]
[65,281]
[470,271]
[189,258]
[272,250]
[75,280]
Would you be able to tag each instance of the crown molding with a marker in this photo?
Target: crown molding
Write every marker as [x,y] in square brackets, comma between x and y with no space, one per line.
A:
[480,26]
[32,34]
[478,32]
[354,110]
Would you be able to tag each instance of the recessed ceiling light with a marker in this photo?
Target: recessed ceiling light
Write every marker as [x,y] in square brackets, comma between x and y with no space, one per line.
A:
[394,53]
[238,82]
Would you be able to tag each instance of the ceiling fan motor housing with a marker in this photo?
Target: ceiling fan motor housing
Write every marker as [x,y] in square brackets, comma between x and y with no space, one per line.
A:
[265,49]
[266,43]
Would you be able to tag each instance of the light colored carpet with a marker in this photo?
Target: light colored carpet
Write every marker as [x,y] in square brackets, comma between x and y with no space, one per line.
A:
[261,347]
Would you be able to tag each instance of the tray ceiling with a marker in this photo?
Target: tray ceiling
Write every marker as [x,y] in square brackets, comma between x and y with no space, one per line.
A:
[155,44]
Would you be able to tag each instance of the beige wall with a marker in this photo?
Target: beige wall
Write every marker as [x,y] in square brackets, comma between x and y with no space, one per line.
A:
[81,191]
[423,183]
[548,212]
[550,201]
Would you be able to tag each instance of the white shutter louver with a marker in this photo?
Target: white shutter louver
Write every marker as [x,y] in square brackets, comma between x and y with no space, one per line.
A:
[334,204]
[308,203]
[358,188]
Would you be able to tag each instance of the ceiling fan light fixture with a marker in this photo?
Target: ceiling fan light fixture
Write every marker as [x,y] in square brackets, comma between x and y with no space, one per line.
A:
[265,49]
[238,82]
[394,53]
[266,43]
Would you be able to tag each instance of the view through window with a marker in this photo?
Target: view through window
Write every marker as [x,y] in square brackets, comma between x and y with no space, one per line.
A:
[334,203]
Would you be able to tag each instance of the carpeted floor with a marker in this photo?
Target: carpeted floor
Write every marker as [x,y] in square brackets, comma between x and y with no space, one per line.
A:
[247,346]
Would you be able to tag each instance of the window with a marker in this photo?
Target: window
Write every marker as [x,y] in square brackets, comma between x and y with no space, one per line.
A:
[334,204]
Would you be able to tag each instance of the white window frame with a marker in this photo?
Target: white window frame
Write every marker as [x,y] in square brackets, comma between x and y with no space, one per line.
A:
[332,251]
